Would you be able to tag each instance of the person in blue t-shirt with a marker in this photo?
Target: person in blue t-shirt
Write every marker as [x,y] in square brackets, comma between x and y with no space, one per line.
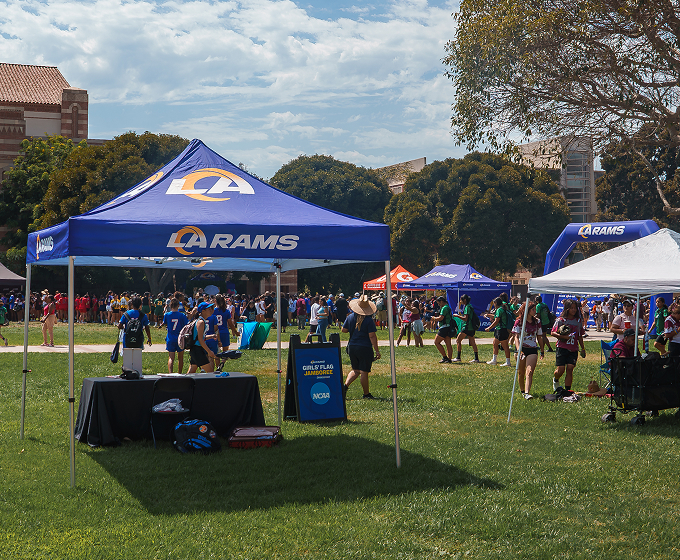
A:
[135,312]
[225,323]
[174,321]
[212,337]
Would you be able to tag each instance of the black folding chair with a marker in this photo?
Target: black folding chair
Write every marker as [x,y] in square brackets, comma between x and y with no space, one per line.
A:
[168,388]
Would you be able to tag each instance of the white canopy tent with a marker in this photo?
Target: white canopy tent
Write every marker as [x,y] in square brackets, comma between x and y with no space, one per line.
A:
[641,268]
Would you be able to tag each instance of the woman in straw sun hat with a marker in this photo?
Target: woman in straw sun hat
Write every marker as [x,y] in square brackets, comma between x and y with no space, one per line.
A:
[362,342]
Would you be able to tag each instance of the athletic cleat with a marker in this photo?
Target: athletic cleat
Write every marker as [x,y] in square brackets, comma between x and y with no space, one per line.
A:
[556,384]
[492,362]
[475,361]
[454,360]
[528,396]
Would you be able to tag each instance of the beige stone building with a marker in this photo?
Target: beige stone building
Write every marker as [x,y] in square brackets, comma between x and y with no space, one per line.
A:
[573,161]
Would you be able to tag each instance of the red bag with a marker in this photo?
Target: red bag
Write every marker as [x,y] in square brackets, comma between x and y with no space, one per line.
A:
[249,437]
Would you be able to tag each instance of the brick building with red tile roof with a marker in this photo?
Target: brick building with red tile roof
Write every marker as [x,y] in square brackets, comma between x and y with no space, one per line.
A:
[36,101]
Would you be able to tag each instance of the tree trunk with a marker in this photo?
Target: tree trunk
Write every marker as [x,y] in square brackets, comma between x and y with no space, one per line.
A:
[659,185]
[158,279]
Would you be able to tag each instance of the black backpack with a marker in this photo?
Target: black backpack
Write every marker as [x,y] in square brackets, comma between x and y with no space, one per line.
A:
[134,333]
[474,321]
[195,436]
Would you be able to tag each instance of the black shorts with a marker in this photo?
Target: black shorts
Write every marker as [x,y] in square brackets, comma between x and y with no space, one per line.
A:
[198,356]
[312,328]
[501,334]
[470,332]
[528,351]
[564,357]
[674,348]
[446,332]
[546,328]
[361,357]
[661,339]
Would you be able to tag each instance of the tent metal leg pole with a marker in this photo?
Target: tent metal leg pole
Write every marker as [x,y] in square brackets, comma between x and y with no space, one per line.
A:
[27,317]
[393,368]
[519,353]
[637,322]
[278,332]
[71,397]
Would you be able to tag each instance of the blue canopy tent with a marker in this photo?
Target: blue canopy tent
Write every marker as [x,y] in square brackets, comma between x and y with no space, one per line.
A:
[459,279]
[202,212]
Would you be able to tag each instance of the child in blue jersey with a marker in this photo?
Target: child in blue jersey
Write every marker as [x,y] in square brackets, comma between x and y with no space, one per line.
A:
[212,336]
[225,323]
[174,321]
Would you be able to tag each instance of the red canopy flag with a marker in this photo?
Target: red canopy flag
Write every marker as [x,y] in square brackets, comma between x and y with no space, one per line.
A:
[399,274]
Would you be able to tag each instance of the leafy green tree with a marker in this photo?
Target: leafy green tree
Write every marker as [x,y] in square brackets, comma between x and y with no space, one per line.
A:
[623,192]
[414,232]
[606,69]
[487,211]
[343,187]
[23,190]
[336,185]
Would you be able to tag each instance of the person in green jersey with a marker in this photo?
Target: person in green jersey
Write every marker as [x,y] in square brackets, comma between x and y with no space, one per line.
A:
[501,326]
[660,317]
[3,318]
[468,328]
[447,329]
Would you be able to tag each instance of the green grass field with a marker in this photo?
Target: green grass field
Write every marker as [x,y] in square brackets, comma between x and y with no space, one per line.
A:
[553,483]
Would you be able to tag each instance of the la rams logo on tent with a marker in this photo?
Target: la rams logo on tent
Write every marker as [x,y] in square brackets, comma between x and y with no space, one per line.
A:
[197,240]
[43,245]
[588,230]
[206,184]
[476,276]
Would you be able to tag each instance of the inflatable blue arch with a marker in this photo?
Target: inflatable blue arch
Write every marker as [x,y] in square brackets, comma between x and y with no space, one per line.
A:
[607,232]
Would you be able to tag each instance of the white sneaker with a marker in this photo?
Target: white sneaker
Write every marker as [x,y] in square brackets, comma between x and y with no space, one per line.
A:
[505,364]
[528,396]
[456,360]
[492,362]
[556,384]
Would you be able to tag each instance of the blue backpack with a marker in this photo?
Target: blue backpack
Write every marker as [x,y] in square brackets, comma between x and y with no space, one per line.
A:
[195,436]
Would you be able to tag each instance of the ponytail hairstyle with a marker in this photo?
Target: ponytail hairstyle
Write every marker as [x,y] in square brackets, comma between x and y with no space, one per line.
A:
[221,303]
[360,320]
[465,299]
[498,302]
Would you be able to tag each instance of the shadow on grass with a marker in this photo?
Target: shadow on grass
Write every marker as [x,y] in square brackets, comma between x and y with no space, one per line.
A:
[303,470]
[666,424]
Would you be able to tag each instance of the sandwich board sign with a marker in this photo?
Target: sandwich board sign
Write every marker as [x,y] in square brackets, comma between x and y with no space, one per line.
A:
[314,381]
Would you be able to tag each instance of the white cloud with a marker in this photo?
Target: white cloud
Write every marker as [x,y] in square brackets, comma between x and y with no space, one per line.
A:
[249,73]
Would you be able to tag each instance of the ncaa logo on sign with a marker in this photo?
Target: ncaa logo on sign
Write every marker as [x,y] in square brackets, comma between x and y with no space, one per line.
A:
[207,184]
[320,393]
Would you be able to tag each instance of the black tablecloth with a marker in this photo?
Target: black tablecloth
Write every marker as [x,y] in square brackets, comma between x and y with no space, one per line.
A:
[111,409]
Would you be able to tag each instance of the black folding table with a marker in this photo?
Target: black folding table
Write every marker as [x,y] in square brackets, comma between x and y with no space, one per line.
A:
[112,409]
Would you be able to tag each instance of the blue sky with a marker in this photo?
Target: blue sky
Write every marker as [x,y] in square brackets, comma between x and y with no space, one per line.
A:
[260,82]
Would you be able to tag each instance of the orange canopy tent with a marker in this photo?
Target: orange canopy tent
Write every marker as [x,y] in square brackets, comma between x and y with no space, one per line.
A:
[399,274]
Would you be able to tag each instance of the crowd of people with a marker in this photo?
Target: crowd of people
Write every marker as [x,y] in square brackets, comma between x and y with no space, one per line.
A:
[361,316]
